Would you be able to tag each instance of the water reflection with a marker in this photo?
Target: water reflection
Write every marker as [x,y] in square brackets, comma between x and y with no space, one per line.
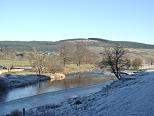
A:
[50,86]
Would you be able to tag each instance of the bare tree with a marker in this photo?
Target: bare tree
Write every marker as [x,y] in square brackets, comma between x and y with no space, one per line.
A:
[7,53]
[37,61]
[65,52]
[128,63]
[81,52]
[115,59]
[92,57]
[151,60]
[53,65]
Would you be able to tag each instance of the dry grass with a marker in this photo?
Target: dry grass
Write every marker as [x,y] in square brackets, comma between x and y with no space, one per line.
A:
[15,62]
[10,72]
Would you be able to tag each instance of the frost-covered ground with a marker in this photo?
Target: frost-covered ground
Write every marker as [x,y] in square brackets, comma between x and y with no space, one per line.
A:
[128,97]
[50,97]
[14,81]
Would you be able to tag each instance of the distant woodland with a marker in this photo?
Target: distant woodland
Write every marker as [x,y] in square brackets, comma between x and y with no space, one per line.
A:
[21,46]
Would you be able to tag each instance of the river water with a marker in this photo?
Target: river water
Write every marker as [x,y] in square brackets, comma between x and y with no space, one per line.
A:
[50,86]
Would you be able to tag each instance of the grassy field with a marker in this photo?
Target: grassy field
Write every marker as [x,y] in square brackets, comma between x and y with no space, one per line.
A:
[144,54]
[14,62]
[67,69]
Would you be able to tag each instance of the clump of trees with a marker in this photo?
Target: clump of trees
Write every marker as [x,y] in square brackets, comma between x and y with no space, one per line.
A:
[42,63]
[68,53]
[81,53]
[115,58]
[76,53]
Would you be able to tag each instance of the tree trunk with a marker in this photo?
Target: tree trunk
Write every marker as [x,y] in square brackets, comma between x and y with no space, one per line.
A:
[64,62]
[79,63]
[39,71]
[117,75]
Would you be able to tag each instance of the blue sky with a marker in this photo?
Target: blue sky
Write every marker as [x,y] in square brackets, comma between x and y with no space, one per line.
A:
[53,20]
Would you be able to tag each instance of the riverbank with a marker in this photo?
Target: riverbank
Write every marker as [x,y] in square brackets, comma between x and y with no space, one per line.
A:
[50,97]
[11,81]
[133,96]
[15,81]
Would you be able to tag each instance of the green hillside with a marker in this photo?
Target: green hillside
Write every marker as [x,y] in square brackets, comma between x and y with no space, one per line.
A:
[126,44]
[51,46]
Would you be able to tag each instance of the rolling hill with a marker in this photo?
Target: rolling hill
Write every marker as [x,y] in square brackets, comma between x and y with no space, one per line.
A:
[51,46]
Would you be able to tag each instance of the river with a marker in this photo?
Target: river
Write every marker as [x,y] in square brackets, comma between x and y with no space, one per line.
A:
[71,81]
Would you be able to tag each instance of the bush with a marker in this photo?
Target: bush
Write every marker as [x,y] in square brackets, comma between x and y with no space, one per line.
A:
[16,113]
[3,85]
[136,63]
[78,102]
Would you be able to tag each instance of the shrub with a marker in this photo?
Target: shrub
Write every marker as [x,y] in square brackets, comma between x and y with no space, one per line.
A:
[78,102]
[136,63]
[16,113]
[3,85]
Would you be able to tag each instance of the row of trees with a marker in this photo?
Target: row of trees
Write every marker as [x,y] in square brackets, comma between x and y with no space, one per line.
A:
[76,53]
[7,53]
[114,58]
[68,53]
